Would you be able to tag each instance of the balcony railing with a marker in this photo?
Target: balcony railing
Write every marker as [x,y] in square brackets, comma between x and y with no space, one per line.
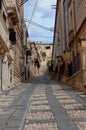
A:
[12,10]
[74,66]
[71,35]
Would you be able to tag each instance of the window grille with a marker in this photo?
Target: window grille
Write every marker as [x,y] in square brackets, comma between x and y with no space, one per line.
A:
[74,66]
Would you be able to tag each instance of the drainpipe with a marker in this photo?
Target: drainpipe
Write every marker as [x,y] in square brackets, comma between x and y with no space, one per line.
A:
[75,26]
[53,48]
[1,72]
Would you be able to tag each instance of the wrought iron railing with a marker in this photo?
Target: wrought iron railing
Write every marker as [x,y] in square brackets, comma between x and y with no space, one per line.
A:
[74,65]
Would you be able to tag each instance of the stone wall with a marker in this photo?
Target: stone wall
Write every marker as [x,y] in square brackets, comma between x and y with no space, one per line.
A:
[76,81]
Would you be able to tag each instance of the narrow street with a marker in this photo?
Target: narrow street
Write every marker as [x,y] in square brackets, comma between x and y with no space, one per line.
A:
[43,65]
[43,104]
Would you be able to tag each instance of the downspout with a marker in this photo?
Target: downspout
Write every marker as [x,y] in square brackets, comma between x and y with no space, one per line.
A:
[75,27]
[54,30]
[1,72]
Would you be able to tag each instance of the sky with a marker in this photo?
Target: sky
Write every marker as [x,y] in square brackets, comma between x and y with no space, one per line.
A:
[43,16]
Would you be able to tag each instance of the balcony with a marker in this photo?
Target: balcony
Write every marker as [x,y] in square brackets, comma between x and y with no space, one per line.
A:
[71,35]
[4,35]
[12,11]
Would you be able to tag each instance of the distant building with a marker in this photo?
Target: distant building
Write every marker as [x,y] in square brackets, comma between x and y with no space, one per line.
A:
[45,51]
[32,59]
[37,56]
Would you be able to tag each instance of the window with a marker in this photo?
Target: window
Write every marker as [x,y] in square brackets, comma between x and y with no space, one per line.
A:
[12,36]
[4,16]
[10,71]
[71,20]
[0,4]
[10,79]
[10,75]
[47,47]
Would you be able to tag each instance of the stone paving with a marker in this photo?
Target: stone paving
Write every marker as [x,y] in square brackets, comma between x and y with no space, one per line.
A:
[39,115]
[43,104]
[56,107]
[75,106]
[13,105]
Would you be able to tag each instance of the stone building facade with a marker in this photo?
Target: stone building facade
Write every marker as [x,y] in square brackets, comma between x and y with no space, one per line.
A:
[45,52]
[44,48]
[11,43]
[32,59]
[37,56]
[69,42]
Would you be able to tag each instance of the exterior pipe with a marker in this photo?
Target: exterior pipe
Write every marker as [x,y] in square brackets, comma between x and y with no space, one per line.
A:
[1,72]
